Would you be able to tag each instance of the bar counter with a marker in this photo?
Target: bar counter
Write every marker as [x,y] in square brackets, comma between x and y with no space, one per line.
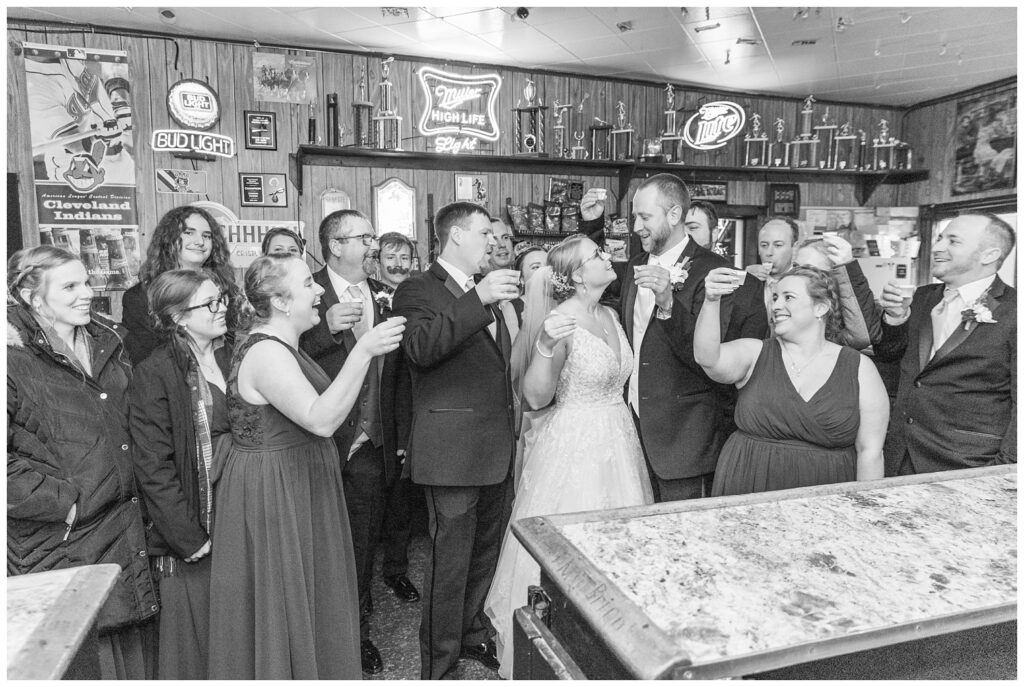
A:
[746,584]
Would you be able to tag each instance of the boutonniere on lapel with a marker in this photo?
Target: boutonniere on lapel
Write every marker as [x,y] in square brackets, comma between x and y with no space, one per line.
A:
[383,300]
[678,273]
[978,312]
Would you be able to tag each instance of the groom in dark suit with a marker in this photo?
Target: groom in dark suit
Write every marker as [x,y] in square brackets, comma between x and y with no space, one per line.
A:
[956,406]
[462,442]
[351,305]
[678,408]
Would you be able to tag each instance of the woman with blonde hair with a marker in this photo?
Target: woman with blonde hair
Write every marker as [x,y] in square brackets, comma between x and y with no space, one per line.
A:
[810,410]
[71,493]
[584,454]
[283,599]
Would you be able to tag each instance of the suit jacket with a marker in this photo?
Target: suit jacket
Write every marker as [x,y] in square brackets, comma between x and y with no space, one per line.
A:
[680,406]
[959,408]
[331,351]
[462,430]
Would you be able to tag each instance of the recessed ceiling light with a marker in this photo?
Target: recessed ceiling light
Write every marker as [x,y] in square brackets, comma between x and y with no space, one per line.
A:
[624,26]
[167,16]
[706,27]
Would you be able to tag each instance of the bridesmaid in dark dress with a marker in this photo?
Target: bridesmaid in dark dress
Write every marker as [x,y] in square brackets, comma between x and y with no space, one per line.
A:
[179,421]
[283,597]
[810,411]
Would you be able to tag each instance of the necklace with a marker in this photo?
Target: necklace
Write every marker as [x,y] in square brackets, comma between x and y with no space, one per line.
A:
[797,371]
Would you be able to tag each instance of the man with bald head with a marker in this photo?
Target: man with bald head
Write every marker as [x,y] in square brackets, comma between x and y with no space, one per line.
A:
[775,241]
[956,406]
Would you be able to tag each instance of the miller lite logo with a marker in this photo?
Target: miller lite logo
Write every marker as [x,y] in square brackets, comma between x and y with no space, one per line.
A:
[459,105]
[713,125]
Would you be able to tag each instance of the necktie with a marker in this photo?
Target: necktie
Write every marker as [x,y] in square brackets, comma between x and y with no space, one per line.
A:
[362,326]
[943,321]
[493,326]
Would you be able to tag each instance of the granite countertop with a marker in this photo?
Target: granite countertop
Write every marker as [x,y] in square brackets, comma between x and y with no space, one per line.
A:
[731,581]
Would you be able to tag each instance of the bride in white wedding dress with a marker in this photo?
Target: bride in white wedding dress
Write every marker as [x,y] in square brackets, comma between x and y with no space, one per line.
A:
[584,453]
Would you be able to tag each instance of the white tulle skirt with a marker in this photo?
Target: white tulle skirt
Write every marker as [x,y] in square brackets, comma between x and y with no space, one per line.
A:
[576,458]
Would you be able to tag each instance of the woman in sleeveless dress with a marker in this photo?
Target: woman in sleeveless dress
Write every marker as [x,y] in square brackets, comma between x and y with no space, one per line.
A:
[810,411]
[283,590]
[584,454]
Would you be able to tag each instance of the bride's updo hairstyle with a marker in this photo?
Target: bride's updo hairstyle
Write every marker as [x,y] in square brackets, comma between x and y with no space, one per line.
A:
[264,280]
[564,259]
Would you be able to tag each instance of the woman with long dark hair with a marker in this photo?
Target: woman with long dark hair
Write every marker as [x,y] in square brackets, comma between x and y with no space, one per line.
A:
[810,410]
[186,237]
[71,494]
[283,592]
[179,422]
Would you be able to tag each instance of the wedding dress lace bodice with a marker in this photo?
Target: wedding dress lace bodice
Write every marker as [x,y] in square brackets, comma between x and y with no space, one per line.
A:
[591,374]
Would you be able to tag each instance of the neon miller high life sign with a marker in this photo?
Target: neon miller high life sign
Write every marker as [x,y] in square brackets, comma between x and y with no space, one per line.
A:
[460,110]
[714,124]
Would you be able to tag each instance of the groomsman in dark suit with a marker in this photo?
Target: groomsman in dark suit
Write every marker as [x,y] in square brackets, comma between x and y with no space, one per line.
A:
[956,406]
[351,305]
[679,410]
[462,443]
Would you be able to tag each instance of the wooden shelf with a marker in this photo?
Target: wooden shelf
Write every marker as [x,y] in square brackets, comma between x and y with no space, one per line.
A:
[624,171]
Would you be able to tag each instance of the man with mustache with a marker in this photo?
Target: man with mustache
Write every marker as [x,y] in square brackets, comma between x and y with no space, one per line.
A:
[502,257]
[396,251]
[349,307]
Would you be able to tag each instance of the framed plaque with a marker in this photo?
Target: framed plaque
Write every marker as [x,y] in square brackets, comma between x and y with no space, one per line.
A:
[394,207]
[717,191]
[784,199]
[263,190]
[260,130]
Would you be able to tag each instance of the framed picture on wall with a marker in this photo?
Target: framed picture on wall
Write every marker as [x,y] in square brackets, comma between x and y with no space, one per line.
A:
[714,191]
[471,187]
[985,156]
[263,190]
[394,207]
[260,130]
[784,200]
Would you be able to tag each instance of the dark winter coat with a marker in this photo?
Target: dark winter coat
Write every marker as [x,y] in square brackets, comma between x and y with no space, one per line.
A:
[68,443]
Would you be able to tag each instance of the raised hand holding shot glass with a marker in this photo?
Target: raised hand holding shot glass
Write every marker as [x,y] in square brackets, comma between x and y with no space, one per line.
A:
[896,299]
[722,281]
[592,203]
[498,285]
[557,327]
[657,279]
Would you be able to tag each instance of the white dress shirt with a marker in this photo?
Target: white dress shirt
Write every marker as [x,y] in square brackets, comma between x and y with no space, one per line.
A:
[643,306]
[341,288]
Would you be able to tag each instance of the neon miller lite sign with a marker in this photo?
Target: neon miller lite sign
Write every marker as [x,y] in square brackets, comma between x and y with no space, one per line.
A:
[713,125]
[459,106]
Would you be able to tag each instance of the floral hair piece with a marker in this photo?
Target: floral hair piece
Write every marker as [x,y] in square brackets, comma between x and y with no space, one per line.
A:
[561,286]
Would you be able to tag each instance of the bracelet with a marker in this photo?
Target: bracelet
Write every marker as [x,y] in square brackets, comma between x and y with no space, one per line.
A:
[541,351]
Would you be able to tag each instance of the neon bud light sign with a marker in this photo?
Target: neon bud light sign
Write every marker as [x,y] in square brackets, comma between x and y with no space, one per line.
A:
[460,110]
[713,125]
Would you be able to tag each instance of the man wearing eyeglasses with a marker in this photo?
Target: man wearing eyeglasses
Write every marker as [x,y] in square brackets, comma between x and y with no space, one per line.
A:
[350,307]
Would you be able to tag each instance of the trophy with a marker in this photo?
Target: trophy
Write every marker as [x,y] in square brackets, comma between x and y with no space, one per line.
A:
[563,113]
[670,136]
[600,139]
[362,114]
[386,123]
[778,150]
[846,146]
[529,124]
[862,149]
[804,148]
[332,119]
[622,137]
[826,133]
[579,151]
[755,144]
[904,156]
[884,149]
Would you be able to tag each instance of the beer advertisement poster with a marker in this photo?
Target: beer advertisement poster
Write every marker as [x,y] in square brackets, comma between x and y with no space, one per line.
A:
[83,156]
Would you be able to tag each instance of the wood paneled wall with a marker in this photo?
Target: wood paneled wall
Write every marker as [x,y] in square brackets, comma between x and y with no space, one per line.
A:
[931,132]
[156,63]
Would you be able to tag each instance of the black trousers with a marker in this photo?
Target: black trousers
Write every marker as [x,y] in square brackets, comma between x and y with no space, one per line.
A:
[397,527]
[363,480]
[466,527]
[681,489]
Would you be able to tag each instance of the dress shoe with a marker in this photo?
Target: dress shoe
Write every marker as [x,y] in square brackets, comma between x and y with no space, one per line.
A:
[370,658]
[402,587]
[486,654]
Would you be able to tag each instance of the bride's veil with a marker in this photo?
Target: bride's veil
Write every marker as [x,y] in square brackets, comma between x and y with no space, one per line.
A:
[537,303]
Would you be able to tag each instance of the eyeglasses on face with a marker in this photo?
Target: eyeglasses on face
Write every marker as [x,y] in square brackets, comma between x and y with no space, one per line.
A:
[213,306]
[368,239]
[598,255]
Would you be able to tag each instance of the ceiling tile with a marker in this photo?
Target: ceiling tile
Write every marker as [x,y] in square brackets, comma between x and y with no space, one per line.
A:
[480,21]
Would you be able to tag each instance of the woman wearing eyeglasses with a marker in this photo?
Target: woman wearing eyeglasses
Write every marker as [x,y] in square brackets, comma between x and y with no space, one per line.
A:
[179,422]
[571,355]
[71,495]
[186,237]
